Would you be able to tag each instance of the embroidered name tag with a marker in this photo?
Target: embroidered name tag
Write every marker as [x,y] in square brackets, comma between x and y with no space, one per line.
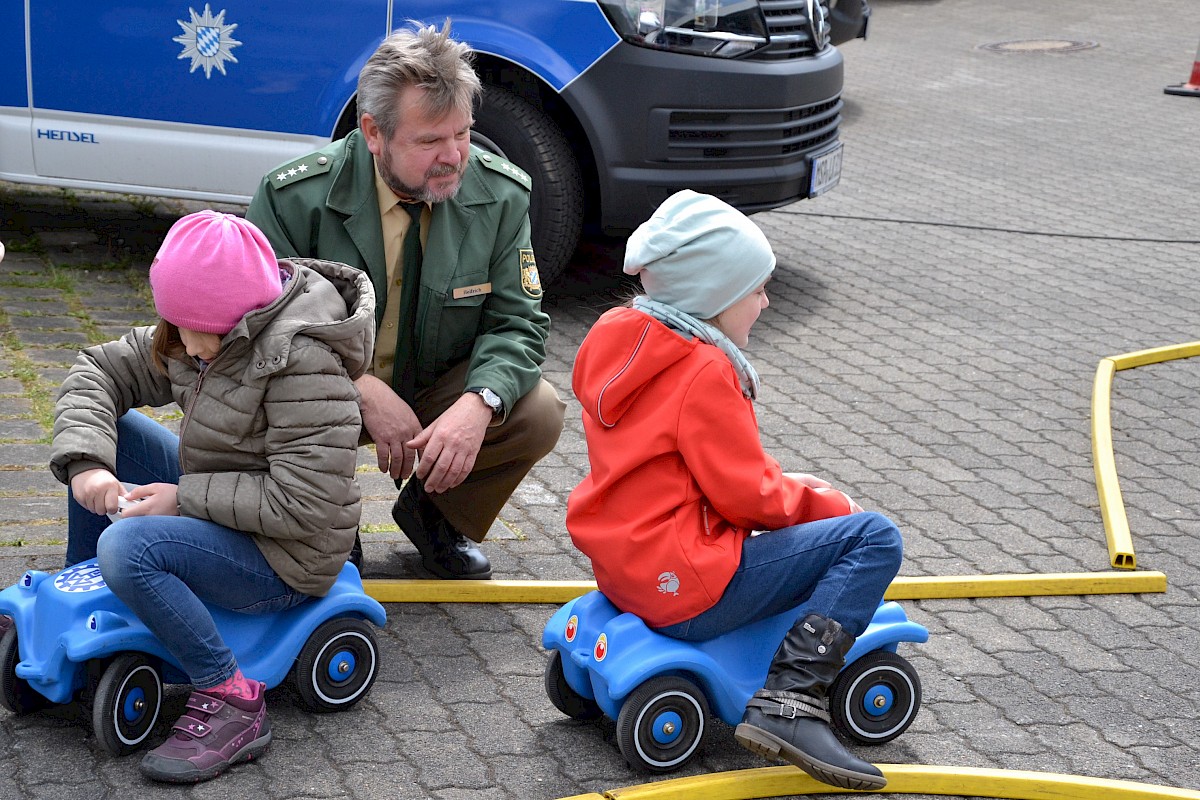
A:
[471,291]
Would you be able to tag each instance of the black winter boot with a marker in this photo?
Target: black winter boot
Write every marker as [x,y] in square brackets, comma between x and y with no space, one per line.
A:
[444,551]
[789,718]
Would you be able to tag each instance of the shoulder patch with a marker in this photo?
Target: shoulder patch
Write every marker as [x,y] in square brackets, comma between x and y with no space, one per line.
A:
[531,282]
[301,168]
[497,164]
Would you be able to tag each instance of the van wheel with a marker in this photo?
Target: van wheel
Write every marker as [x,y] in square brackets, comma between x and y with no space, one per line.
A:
[514,129]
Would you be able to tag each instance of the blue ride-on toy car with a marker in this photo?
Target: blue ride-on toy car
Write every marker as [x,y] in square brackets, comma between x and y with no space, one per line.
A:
[73,639]
[659,690]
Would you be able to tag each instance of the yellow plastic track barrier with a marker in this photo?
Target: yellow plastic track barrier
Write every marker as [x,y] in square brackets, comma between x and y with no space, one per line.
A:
[1112,506]
[439,591]
[1034,585]
[902,779]
[903,588]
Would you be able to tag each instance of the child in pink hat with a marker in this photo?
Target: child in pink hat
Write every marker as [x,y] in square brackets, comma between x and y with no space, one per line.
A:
[254,505]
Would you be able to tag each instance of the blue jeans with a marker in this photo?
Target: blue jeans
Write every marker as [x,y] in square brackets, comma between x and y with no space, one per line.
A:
[146,453]
[166,568]
[838,568]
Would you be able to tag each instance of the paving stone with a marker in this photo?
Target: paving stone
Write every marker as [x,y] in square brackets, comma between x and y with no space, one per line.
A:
[931,344]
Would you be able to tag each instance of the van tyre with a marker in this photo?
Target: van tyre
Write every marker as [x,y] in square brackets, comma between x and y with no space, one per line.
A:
[516,130]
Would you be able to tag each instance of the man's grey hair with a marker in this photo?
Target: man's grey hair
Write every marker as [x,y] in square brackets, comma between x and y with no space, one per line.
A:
[422,56]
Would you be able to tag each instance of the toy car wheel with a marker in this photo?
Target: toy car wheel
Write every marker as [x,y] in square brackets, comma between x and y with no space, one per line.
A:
[876,698]
[564,698]
[661,724]
[337,665]
[127,702]
[16,695]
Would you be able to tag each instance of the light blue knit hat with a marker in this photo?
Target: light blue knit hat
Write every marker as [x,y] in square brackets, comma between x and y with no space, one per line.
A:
[699,254]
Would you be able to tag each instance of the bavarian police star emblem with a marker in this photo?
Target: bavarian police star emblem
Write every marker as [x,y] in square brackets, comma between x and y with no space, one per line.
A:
[207,41]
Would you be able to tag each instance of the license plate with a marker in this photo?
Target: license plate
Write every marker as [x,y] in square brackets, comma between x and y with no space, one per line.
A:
[826,171]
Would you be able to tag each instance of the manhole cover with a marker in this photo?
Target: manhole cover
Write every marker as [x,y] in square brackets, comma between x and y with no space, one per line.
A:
[1038,46]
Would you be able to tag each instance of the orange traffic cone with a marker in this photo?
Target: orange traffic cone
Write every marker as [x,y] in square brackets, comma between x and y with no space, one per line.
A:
[1192,87]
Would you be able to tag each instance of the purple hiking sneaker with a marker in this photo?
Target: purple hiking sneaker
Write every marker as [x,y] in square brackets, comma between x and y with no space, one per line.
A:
[212,735]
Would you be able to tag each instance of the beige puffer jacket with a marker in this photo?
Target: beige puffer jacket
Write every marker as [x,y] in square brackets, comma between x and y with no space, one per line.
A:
[269,438]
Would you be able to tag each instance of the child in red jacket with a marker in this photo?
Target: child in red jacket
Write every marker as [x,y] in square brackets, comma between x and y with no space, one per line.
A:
[679,480]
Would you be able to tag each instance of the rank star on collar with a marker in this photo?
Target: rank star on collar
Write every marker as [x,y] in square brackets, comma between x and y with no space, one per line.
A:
[510,168]
[292,172]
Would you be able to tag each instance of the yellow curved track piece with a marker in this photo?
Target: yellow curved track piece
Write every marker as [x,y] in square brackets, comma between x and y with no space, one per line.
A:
[914,588]
[902,779]
[1112,507]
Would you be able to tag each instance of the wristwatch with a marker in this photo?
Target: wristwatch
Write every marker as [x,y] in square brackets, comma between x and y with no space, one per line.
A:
[491,398]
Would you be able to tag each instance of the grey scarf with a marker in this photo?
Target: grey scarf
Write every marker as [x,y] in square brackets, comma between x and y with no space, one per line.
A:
[688,325]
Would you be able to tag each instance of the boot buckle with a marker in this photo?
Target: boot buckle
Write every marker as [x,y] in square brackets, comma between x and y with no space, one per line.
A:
[789,706]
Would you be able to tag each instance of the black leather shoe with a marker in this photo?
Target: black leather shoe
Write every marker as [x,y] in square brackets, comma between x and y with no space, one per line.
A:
[356,554]
[444,551]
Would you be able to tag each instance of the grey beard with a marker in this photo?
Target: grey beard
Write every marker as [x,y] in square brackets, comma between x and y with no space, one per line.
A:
[418,194]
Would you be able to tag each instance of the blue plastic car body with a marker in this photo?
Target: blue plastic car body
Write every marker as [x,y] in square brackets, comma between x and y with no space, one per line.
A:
[604,655]
[73,639]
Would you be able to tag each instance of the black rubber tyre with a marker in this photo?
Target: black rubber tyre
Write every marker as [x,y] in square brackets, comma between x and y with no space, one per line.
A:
[127,703]
[16,695]
[876,698]
[662,724]
[563,697]
[337,665]
[513,128]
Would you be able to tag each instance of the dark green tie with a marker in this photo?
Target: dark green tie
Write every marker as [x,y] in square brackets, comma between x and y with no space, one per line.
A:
[404,369]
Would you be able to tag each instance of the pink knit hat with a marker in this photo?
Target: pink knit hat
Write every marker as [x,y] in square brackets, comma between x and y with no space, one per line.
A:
[212,270]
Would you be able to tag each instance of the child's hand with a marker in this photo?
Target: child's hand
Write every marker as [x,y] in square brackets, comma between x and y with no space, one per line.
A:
[153,499]
[821,485]
[97,490]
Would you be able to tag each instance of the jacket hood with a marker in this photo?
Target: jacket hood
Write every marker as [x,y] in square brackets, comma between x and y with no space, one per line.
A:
[330,302]
[623,352]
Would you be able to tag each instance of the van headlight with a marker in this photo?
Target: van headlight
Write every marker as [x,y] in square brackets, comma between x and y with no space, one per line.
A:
[723,28]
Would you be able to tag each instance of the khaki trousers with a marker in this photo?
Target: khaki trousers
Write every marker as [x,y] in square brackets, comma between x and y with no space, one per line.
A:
[509,450]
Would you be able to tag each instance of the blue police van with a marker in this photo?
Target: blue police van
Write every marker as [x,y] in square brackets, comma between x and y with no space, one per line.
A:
[610,105]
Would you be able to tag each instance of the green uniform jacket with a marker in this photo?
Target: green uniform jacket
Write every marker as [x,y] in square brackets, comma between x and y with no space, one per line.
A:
[324,206]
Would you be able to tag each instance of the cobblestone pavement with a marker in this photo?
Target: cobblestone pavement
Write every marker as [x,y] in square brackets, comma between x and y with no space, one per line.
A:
[1005,220]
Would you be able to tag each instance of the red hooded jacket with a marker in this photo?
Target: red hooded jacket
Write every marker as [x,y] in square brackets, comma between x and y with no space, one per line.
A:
[678,474]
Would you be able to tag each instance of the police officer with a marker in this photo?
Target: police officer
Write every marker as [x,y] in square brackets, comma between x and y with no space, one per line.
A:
[455,396]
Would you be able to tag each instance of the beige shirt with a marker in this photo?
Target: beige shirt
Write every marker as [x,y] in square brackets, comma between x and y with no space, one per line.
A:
[394,222]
